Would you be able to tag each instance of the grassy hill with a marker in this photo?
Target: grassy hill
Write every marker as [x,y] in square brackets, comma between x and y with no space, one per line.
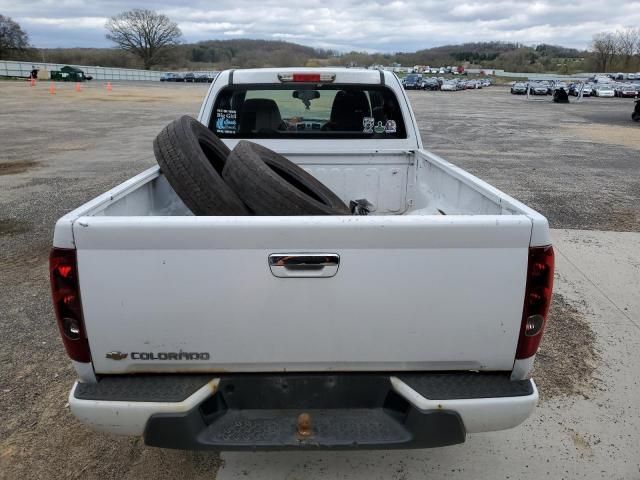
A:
[246,53]
[508,56]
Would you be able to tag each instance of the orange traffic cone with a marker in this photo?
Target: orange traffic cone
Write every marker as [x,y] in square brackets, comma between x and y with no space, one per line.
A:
[78,87]
[52,88]
[109,87]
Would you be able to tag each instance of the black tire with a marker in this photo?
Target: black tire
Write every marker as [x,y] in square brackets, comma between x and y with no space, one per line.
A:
[272,185]
[192,159]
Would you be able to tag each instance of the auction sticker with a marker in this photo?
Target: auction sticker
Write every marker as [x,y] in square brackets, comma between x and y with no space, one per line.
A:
[226,121]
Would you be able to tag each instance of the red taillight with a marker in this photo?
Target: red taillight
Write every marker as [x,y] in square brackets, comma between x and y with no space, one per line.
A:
[307,77]
[537,300]
[65,291]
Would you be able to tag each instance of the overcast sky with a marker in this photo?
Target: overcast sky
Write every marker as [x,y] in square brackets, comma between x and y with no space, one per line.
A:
[402,25]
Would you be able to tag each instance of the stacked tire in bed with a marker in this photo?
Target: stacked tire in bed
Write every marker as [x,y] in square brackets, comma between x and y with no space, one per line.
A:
[249,180]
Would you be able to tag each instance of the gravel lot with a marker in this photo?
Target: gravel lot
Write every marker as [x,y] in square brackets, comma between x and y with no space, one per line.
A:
[578,164]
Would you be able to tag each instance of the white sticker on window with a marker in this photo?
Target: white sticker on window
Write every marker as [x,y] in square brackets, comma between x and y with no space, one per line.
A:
[390,127]
[226,121]
[367,125]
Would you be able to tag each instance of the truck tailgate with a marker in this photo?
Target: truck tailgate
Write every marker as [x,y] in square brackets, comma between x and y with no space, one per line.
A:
[198,294]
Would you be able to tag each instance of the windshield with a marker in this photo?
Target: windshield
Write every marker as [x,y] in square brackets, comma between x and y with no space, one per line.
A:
[307,111]
[413,78]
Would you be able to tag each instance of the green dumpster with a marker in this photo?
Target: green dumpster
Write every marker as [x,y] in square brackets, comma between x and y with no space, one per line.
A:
[68,74]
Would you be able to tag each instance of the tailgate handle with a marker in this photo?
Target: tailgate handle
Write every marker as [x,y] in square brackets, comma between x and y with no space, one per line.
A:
[304,265]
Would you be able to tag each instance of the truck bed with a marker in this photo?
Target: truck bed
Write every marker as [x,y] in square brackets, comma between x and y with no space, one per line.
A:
[176,283]
[396,183]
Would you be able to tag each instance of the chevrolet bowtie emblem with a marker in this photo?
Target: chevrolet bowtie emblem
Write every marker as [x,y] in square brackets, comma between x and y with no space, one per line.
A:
[116,355]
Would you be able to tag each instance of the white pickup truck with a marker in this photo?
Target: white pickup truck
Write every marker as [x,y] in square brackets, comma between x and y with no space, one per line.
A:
[405,328]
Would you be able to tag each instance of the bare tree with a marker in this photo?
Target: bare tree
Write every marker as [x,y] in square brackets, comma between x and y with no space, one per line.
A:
[627,43]
[144,33]
[604,47]
[12,37]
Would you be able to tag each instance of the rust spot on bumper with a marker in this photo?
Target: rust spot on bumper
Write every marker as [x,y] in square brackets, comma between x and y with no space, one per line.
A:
[304,425]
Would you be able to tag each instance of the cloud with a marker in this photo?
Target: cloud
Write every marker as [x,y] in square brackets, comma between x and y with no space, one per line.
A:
[375,25]
[68,23]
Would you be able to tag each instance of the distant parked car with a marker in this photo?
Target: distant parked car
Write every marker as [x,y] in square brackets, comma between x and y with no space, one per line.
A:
[177,77]
[449,86]
[431,84]
[413,81]
[190,77]
[574,89]
[166,77]
[604,90]
[587,90]
[538,89]
[626,90]
[559,85]
[545,83]
[519,88]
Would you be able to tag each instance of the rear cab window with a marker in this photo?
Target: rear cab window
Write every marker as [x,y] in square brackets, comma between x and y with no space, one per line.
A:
[271,111]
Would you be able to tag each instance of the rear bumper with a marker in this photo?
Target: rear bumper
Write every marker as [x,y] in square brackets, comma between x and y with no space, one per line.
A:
[346,411]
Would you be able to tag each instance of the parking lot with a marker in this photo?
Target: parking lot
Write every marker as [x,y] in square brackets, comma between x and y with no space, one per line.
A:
[578,164]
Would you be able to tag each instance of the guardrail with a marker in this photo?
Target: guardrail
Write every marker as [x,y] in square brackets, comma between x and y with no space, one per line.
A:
[10,68]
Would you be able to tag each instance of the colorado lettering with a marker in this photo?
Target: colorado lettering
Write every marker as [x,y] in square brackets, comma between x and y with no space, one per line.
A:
[170,356]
